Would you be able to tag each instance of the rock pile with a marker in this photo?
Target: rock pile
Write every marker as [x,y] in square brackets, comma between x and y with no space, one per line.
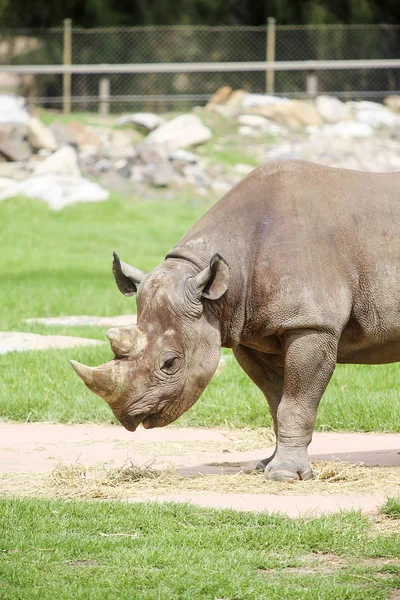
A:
[67,163]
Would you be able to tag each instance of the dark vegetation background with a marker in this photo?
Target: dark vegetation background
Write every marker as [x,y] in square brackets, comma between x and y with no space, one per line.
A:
[96,13]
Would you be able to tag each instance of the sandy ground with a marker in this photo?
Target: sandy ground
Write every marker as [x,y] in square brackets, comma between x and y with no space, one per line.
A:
[29,452]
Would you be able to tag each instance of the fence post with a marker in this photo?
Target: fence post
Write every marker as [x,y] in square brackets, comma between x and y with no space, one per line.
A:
[270,51]
[104,96]
[67,59]
[312,85]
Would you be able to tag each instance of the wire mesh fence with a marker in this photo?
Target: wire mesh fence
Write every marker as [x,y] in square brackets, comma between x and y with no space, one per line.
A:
[191,44]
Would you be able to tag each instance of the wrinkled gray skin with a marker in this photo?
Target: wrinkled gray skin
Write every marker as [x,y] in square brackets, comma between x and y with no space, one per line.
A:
[295,269]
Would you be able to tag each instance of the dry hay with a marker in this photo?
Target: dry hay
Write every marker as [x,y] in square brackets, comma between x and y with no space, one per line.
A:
[133,480]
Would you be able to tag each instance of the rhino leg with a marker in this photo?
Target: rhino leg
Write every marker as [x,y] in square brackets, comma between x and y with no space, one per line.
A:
[310,359]
[268,378]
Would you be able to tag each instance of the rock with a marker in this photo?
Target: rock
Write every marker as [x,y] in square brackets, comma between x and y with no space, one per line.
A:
[393,102]
[163,174]
[112,180]
[331,109]
[119,144]
[253,100]
[57,190]
[228,112]
[122,167]
[150,154]
[220,97]
[62,162]
[348,130]
[5,182]
[195,175]
[83,320]
[181,132]
[255,121]
[147,121]
[15,149]
[248,131]
[183,156]
[63,135]
[294,114]
[40,137]
[88,140]
[13,109]
[103,165]
[236,98]
[243,169]
[18,341]
[15,170]
[376,115]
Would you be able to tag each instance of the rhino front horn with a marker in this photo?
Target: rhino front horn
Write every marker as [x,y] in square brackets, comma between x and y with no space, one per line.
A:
[99,380]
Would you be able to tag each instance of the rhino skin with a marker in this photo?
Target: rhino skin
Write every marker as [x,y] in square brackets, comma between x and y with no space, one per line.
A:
[296,269]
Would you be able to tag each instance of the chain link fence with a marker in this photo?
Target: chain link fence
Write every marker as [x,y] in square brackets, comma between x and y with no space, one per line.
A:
[191,44]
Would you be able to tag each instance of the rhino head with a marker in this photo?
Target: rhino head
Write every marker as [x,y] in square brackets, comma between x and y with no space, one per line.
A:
[163,364]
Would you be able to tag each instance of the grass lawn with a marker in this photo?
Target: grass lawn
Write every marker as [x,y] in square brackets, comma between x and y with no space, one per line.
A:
[63,550]
[60,263]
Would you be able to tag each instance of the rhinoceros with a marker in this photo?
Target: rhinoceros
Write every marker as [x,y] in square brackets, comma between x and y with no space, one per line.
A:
[296,269]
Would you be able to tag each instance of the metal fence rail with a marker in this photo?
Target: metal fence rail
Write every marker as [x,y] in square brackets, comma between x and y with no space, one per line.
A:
[158,67]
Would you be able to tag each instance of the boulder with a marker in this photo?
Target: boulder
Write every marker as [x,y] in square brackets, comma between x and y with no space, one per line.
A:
[13,109]
[183,131]
[15,149]
[248,131]
[393,102]
[294,113]
[220,97]
[62,162]
[253,100]
[331,109]
[57,190]
[63,135]
[375,115]
[87,139]
[163,174]
[40,137]
[348,130]
[146,121]
[236,98]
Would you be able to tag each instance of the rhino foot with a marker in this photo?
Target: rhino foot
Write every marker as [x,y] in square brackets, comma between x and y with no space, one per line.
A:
[260,466]
[286,471]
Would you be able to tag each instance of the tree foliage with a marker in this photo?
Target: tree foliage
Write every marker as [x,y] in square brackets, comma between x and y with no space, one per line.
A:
[92,13]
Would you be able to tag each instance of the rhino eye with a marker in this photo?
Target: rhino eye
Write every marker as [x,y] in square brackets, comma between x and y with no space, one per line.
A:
[170,365]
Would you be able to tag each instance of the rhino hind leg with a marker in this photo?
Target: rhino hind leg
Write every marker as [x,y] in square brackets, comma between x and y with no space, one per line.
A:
[270,381]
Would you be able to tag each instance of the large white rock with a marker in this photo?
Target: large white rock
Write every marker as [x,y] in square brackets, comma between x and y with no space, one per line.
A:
[347,130]
[251,100]
[148,121]
[332,109]
[40,136]
[378,118]
[57,190]
[19,341]
[181,132]
[13,110]
[62,162]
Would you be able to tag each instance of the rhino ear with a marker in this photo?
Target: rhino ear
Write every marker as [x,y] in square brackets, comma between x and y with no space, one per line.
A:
[127,278]
[212,282]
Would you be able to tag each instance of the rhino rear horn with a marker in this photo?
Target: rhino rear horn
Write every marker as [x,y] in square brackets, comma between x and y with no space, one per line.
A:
[127,278]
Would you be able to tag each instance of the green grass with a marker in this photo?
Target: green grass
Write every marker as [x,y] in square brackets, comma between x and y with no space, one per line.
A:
[63,550]
[391,508]
[60,263]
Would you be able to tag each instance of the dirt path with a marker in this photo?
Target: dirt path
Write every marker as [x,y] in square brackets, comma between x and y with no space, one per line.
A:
[209,467]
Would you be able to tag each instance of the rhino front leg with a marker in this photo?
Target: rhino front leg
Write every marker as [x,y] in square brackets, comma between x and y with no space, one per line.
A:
[310,359]
[268,378]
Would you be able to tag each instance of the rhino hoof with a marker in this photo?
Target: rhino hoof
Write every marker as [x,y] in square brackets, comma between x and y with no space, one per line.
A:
[285,474]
